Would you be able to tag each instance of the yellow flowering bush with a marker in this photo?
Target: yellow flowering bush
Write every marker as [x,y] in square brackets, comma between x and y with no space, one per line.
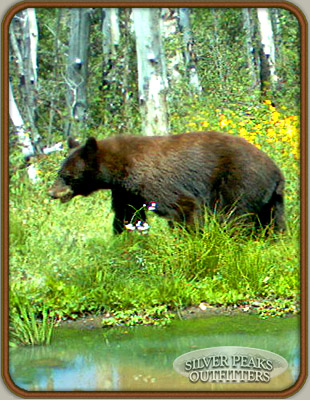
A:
[268,128]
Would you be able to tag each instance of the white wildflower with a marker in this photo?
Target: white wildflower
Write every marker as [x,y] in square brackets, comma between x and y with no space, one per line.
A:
[142,227]
[130,227]
[152,206]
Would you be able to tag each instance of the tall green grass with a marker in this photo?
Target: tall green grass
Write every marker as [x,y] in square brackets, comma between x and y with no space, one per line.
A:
[65,256]
[25,326]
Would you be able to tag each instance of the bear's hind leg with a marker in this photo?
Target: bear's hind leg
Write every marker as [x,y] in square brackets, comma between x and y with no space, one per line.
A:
[277,213]
[189,212]
[273,212]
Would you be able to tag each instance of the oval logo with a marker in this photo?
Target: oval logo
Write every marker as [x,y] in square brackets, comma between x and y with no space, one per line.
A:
[230,364]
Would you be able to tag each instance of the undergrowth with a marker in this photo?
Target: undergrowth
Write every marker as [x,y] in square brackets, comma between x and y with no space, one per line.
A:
[65,260]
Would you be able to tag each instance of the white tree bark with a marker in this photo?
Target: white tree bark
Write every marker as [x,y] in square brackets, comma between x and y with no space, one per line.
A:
[33,43]
[214,44]
[24,140]
[188,49]
[110,30]
[175,62]
[17,120]
[267,46]
[110,42]
[248,29]
[77,70]
[24,42]
[152,80]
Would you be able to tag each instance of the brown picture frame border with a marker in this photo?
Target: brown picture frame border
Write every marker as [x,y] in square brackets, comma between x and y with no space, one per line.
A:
[303,201]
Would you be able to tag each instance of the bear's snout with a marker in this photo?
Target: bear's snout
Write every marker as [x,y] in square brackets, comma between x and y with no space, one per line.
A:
[63,193]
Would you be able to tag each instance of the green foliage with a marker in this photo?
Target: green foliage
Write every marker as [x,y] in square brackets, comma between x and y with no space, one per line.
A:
[157,315]
[25,326]
[288,61]
[220,43]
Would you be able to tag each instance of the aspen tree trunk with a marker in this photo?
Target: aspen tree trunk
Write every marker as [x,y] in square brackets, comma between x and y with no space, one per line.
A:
[33,43]
[24,41]
[56,71]
[23,32]
[110,41]
[249,34]
[24,139]
[214,43]
[188,49]
[267,52]
[129,72]
[77,71]
[110,31]
[275,16]
[175,62]
[152,79]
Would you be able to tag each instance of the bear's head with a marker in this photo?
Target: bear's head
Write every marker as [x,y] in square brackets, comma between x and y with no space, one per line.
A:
[77,175]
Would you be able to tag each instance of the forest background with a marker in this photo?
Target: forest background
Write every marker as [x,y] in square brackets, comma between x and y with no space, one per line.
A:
[101,72]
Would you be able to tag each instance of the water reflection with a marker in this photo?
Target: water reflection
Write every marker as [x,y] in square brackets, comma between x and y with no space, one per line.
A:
[141,358]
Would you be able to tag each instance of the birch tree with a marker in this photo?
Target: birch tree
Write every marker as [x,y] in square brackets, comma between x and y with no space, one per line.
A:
[24,41]
[249,36]
[56,69]
[110,43]
[173,45]
[24,140]
[77,71]
[266,52]
[214,44]
[110,31]
[189,55]
[152,81]
[129,70]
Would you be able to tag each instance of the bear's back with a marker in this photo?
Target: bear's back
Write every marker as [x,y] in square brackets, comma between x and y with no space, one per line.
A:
[195,162]
[189,151]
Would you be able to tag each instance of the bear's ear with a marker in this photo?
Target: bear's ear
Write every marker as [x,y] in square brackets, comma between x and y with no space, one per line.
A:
[90,147]
[72,143]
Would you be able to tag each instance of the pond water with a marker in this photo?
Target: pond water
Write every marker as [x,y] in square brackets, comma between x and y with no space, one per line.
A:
[141,358]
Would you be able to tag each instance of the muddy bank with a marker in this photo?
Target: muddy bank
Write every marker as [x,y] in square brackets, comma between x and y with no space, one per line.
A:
[203,310]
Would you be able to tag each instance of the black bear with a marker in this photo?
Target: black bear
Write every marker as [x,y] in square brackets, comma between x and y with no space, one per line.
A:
[179,175]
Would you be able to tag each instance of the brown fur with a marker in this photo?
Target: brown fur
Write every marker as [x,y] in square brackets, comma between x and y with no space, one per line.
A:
[182,174]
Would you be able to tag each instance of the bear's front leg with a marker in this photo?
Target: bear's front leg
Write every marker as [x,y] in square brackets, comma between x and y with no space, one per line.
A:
[127,209]
[127,215]
[118,224]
